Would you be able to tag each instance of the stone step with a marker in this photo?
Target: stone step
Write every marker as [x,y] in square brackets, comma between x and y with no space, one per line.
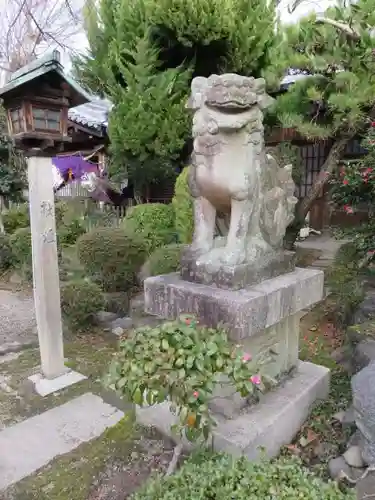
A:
[33,443]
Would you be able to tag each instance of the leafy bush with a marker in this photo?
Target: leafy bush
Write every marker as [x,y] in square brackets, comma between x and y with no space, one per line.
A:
[20,242]
[182,203]
[222,477]
[344,282]
[112,257]
[6,255]
[69,233]
[163,260]
[15,218]
[80,300]
[154,222]
[182,362]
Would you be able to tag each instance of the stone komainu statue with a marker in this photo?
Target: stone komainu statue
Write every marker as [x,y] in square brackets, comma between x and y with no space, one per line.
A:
[233,177]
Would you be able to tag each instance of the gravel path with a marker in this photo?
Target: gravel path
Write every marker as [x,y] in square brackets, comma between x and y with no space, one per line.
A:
[17,320]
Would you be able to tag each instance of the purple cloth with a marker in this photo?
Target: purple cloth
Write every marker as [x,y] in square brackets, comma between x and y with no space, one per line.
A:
[77,164]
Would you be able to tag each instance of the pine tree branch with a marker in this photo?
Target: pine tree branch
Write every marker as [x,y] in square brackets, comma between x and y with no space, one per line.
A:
[344,28]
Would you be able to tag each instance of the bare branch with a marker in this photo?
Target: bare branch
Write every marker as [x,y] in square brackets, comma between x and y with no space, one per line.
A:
[344,28]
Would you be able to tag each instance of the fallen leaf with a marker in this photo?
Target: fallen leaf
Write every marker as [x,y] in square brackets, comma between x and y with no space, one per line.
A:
[313,328]
[293,449]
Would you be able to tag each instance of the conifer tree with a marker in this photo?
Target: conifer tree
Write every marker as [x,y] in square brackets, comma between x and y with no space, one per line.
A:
[143,54]
[336,100]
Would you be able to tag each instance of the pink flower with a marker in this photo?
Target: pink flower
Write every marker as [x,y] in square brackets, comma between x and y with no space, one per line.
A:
[348,209]
[345,182]
[371,252]
[195,394]
[372,124]
[255,379]
[246,357]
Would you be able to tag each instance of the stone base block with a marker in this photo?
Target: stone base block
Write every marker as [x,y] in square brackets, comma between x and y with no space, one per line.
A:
[44,386]
[240,276]
[245,312]
[266,426]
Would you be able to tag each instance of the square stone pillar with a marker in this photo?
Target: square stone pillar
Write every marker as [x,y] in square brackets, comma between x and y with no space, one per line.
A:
[46,279]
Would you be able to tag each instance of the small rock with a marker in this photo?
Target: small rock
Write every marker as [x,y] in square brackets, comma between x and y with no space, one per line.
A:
[125,323]
[336,466]
[15,279]
[355,439]
[105,317]
[118,331]
[339,417]
[353,457]
[349,417]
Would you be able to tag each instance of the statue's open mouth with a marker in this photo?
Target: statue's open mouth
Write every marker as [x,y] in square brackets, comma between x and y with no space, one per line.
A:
[229,106]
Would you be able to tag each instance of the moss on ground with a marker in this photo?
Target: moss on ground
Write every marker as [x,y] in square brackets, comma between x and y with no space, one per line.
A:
[89,354]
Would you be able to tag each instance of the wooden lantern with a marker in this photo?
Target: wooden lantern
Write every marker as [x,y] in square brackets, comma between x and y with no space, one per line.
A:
[37,100]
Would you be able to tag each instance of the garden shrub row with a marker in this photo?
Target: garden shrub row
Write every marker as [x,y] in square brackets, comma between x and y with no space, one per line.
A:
[219,476]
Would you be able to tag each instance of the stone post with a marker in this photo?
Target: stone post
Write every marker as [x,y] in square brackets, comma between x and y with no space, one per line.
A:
[55,374]
[45,266]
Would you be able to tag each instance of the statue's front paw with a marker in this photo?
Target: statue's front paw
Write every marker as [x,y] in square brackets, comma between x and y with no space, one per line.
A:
[233,256]
[200,248]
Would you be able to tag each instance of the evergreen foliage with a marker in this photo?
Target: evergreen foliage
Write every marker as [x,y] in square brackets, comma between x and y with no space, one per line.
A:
[143,54]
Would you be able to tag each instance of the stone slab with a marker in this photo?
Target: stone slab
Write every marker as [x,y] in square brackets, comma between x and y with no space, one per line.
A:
[244,312]
[266,426]
[363,390]
[44,386]
[236,277]
[33,443]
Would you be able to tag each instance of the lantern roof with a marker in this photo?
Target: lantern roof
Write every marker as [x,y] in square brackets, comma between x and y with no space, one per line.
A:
[45,68]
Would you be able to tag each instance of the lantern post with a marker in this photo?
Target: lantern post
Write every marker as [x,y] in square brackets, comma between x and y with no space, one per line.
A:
[37,99]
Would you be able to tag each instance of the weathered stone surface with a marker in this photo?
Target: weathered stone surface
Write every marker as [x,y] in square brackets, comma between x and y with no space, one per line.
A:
[125,323]
[239,276]
[365,488]
[31,444]
[359,332]
[245,312]
[232,175]
[363,355]
[353,457]
[366,310]
[363,389]
[268,425]
[105,317]
[337,466]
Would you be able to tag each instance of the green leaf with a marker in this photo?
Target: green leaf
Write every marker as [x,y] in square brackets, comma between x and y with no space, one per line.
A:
[165,345]
[138,397]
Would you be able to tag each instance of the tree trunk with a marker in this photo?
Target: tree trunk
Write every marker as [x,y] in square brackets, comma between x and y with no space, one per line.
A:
[2,206]
[304,206]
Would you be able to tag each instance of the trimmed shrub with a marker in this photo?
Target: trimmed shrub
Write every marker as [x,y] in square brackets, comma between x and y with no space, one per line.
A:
[163,260]
[154,222]
[221,476]
[16,217]
[6,255]
[112,257]
[20,242]
[80,301]
[182,203]
[69,233]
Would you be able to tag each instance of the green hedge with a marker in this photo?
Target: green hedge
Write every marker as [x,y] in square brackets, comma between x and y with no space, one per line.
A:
[154,222]
[221,477]
[80,301]
[182,203]
[20,242]
[15,218]
[163,260]
[112,257]
[6,254]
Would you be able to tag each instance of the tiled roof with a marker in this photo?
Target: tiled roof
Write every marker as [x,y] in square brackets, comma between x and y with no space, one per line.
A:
[94,114]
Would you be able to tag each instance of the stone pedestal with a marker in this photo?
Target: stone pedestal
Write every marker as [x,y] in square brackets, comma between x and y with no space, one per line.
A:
[264,319]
